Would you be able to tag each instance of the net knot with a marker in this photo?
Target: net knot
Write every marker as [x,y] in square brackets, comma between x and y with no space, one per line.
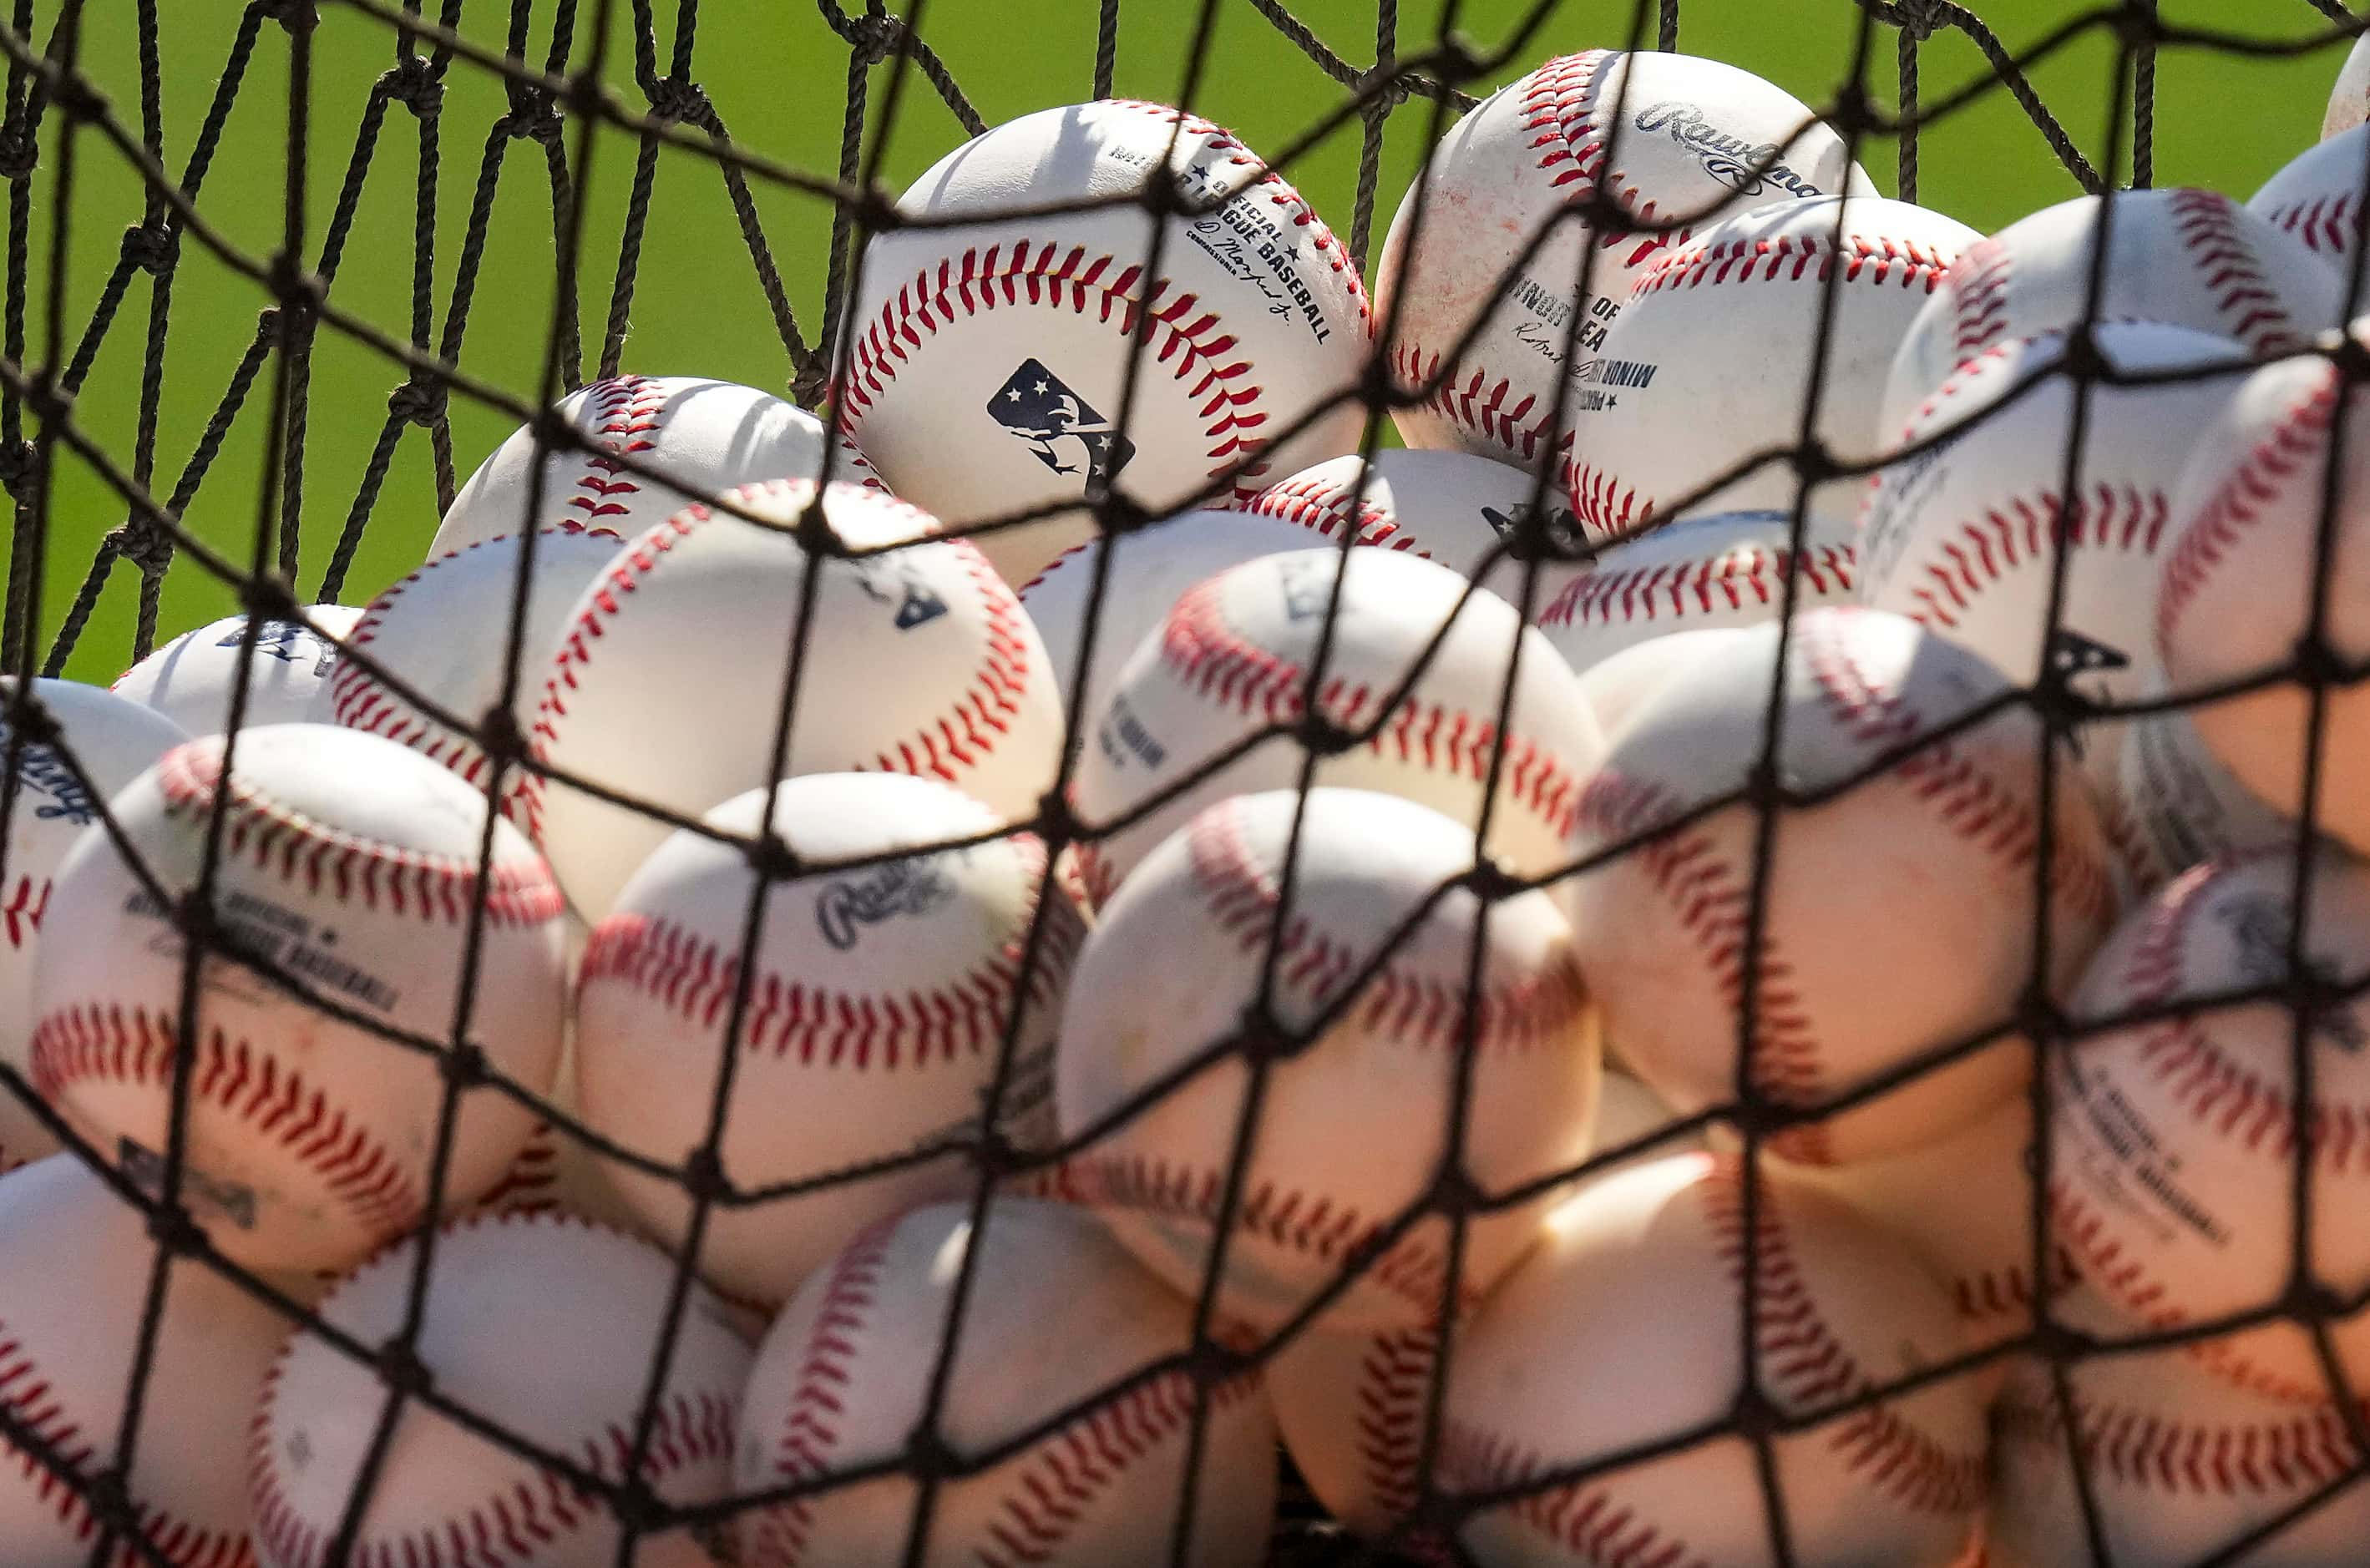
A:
[417,84]
[152,247]
[19,152]
[145,543]
[674,99]
[533,115]
[418,401]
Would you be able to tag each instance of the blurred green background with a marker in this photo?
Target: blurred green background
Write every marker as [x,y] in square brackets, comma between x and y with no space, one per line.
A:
[777,74]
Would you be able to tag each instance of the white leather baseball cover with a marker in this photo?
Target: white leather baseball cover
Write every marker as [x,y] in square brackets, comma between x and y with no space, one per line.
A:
[2174,1160]
[1962,537]
[1710,363]
[706,437]
[1349,1132]
[1233,660]
[1626,1327]
[114,741]
[1057,1315]
[2316,197]
[1698,574]
[70,1307]
[874,1025]
[545,1325]
[1667,136]
[2184,256]
[669,680]
[1899,912]
[1450,507]
[987,365]
[1149,571]
[352,864]
[190,680]
[445,631]
[2240,579]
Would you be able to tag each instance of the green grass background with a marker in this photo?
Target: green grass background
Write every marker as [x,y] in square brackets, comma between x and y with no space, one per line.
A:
[777,74]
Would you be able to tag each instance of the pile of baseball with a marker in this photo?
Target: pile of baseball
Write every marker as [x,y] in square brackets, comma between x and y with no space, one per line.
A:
[1105,931]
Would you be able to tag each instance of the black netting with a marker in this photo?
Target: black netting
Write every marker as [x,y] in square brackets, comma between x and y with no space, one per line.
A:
[576,129]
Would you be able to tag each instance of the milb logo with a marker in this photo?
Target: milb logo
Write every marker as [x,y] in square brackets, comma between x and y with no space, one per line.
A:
[1067,435]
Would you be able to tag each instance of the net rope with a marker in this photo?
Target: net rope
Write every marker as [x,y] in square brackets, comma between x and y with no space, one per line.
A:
[585,81]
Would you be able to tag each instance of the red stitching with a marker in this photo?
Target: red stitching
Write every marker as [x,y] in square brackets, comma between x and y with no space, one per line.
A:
[1588,1518]
[1676,590]
[115,1043]
[1793,258]
[963,734]
[2242,500]
[512,1525]
[2206,222]
[36,1402]
[962,1016]
[2158,1450]
[1205,653]
[1324,506]
[20,917]
[1188,338]
[328,862]
[1399,1004]
[2017,529]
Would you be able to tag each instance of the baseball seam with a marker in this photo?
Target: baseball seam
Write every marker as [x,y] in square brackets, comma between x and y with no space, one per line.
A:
[1736,578]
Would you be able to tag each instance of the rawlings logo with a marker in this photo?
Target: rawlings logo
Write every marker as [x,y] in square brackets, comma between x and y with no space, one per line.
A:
[871,897]
[59,794]
[1749,167]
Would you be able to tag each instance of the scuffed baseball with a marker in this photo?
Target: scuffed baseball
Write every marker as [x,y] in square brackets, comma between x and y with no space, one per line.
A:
[445,631]
[2173,1159]
[988,365]
[2183,257]
[2316,197]
[1900,912]
[668,682]
[71,1300]
[1709,367]
[874,1028]
[1666,136]
[1626,1327]
[1232,662]
[1056,1317]
[699,438]
[113,740]
[1319,1184]
[190,678]
[2241,578]
[353,865]
[546,1326]
[1697,574]
[1150,570]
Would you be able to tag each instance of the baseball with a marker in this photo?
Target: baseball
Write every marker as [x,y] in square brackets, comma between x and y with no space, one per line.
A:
[79,1261]
[1964,537]
[668,682]
[112,742]
[2175,807]
[1668,136]
[444,631]
[1231,665]
[2237,592]
[989,364]
[2183,257]
[1150,570]
[543,1325]
[1467,513]
[699,438]
[2349,99]
[2317,198]
[1699,574]
[1319,1184]
[874,1028]
[1056,1317]
[2179,1467]
[1709,368]
[1626,1327]
[1899,912]
[190,678]
[352,867]
[2173,1158]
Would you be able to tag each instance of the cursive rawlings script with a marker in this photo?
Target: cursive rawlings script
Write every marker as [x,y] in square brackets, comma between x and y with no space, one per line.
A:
[1751,167]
